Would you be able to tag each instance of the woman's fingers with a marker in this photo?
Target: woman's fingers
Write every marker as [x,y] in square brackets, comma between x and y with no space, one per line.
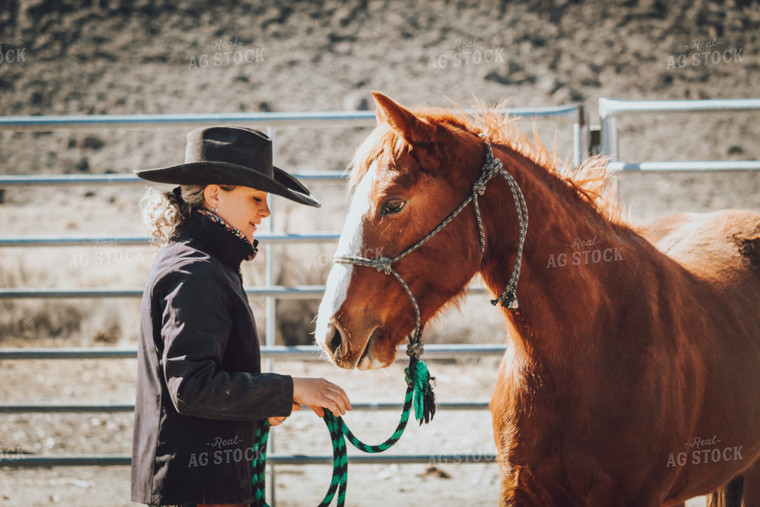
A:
[335,399]
[318,393]
[274,421]
[342,401]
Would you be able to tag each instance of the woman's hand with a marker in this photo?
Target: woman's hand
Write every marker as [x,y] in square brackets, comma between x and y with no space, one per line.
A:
[274,421]
[318,394]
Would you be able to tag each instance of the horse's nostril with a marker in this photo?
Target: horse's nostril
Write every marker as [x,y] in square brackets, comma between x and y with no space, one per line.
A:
[336,341]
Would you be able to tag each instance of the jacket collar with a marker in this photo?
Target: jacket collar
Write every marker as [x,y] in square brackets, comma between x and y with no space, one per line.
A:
[221,239]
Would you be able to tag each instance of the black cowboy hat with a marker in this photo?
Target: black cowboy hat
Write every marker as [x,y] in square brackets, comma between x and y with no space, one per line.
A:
[231,156]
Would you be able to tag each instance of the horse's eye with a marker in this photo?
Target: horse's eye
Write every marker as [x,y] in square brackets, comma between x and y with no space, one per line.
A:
[392,206]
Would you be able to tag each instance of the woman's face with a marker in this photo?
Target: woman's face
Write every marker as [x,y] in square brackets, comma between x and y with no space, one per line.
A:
[242,207]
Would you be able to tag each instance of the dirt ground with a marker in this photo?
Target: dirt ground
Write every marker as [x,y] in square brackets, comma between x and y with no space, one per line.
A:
[450,432]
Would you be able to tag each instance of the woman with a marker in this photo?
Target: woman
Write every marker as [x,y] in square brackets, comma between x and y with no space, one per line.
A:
[200,390]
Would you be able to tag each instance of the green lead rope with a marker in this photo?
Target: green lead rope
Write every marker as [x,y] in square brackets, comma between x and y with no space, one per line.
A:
[260,465]
[419,393]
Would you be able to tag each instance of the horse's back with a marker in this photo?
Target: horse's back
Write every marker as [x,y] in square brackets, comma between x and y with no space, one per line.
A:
[710,245]
[718,255]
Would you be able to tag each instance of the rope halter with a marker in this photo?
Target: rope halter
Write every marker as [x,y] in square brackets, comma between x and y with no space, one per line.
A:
[508,298]
[419,393]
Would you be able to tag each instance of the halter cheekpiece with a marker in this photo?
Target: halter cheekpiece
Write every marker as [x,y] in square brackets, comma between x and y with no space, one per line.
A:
[508,298]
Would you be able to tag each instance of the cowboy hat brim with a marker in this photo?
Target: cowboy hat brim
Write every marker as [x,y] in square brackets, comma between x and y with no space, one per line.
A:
[223,173]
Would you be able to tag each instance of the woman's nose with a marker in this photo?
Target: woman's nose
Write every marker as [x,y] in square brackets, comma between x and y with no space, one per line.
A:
[264,209]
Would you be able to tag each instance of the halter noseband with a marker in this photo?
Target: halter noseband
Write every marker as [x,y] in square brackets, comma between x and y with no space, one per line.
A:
[508,298]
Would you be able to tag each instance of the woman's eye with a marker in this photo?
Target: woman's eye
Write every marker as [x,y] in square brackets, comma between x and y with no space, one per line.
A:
[257,199]
[392,206]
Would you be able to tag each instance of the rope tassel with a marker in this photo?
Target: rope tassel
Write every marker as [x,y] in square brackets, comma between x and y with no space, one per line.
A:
[419,379]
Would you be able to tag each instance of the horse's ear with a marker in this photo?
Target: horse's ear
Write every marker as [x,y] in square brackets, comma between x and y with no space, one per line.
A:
[411,128]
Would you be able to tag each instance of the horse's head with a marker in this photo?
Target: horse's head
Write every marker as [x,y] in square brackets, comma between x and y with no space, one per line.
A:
[410,173]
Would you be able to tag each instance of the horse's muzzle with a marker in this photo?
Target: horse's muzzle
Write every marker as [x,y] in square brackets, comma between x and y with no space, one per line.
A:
[343,354]
[337,347]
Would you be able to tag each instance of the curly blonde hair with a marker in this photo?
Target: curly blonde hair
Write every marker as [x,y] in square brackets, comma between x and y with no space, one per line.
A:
[164,212]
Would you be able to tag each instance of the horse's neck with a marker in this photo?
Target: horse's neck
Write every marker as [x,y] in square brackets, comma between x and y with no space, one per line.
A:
[568,264]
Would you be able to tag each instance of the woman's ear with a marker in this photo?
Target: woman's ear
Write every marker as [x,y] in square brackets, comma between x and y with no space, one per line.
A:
[211,196]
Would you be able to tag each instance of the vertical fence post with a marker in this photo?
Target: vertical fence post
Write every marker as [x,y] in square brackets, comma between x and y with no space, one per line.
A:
[608,126]
[271,314]
[581,147]
[609,138]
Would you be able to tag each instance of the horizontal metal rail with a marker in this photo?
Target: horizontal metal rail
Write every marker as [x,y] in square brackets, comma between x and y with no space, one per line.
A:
[259,120]
[112,241]
[299,352]
[610,110]
[35,461]
[129,179]
[277,291]
[50,408]
[723,165]
[192,120]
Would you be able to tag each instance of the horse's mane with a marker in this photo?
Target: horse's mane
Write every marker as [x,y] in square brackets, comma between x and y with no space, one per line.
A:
[591,180]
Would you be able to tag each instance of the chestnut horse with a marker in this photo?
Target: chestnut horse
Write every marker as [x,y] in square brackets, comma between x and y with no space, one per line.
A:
[632,375]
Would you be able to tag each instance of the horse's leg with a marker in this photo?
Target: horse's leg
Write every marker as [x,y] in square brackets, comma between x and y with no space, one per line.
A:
[752,485]
[729,495]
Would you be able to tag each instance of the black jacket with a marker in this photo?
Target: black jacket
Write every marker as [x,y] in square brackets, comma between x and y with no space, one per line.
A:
[200,390]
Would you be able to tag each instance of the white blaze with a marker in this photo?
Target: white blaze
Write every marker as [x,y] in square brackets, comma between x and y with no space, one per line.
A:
[350,243]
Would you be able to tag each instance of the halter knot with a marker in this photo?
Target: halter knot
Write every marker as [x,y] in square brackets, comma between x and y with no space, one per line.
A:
[479,187]
[415,349]
[489,171]
[491,168]
[383,264]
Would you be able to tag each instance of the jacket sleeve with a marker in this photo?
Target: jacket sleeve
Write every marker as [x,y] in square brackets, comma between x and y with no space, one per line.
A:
[195,328]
